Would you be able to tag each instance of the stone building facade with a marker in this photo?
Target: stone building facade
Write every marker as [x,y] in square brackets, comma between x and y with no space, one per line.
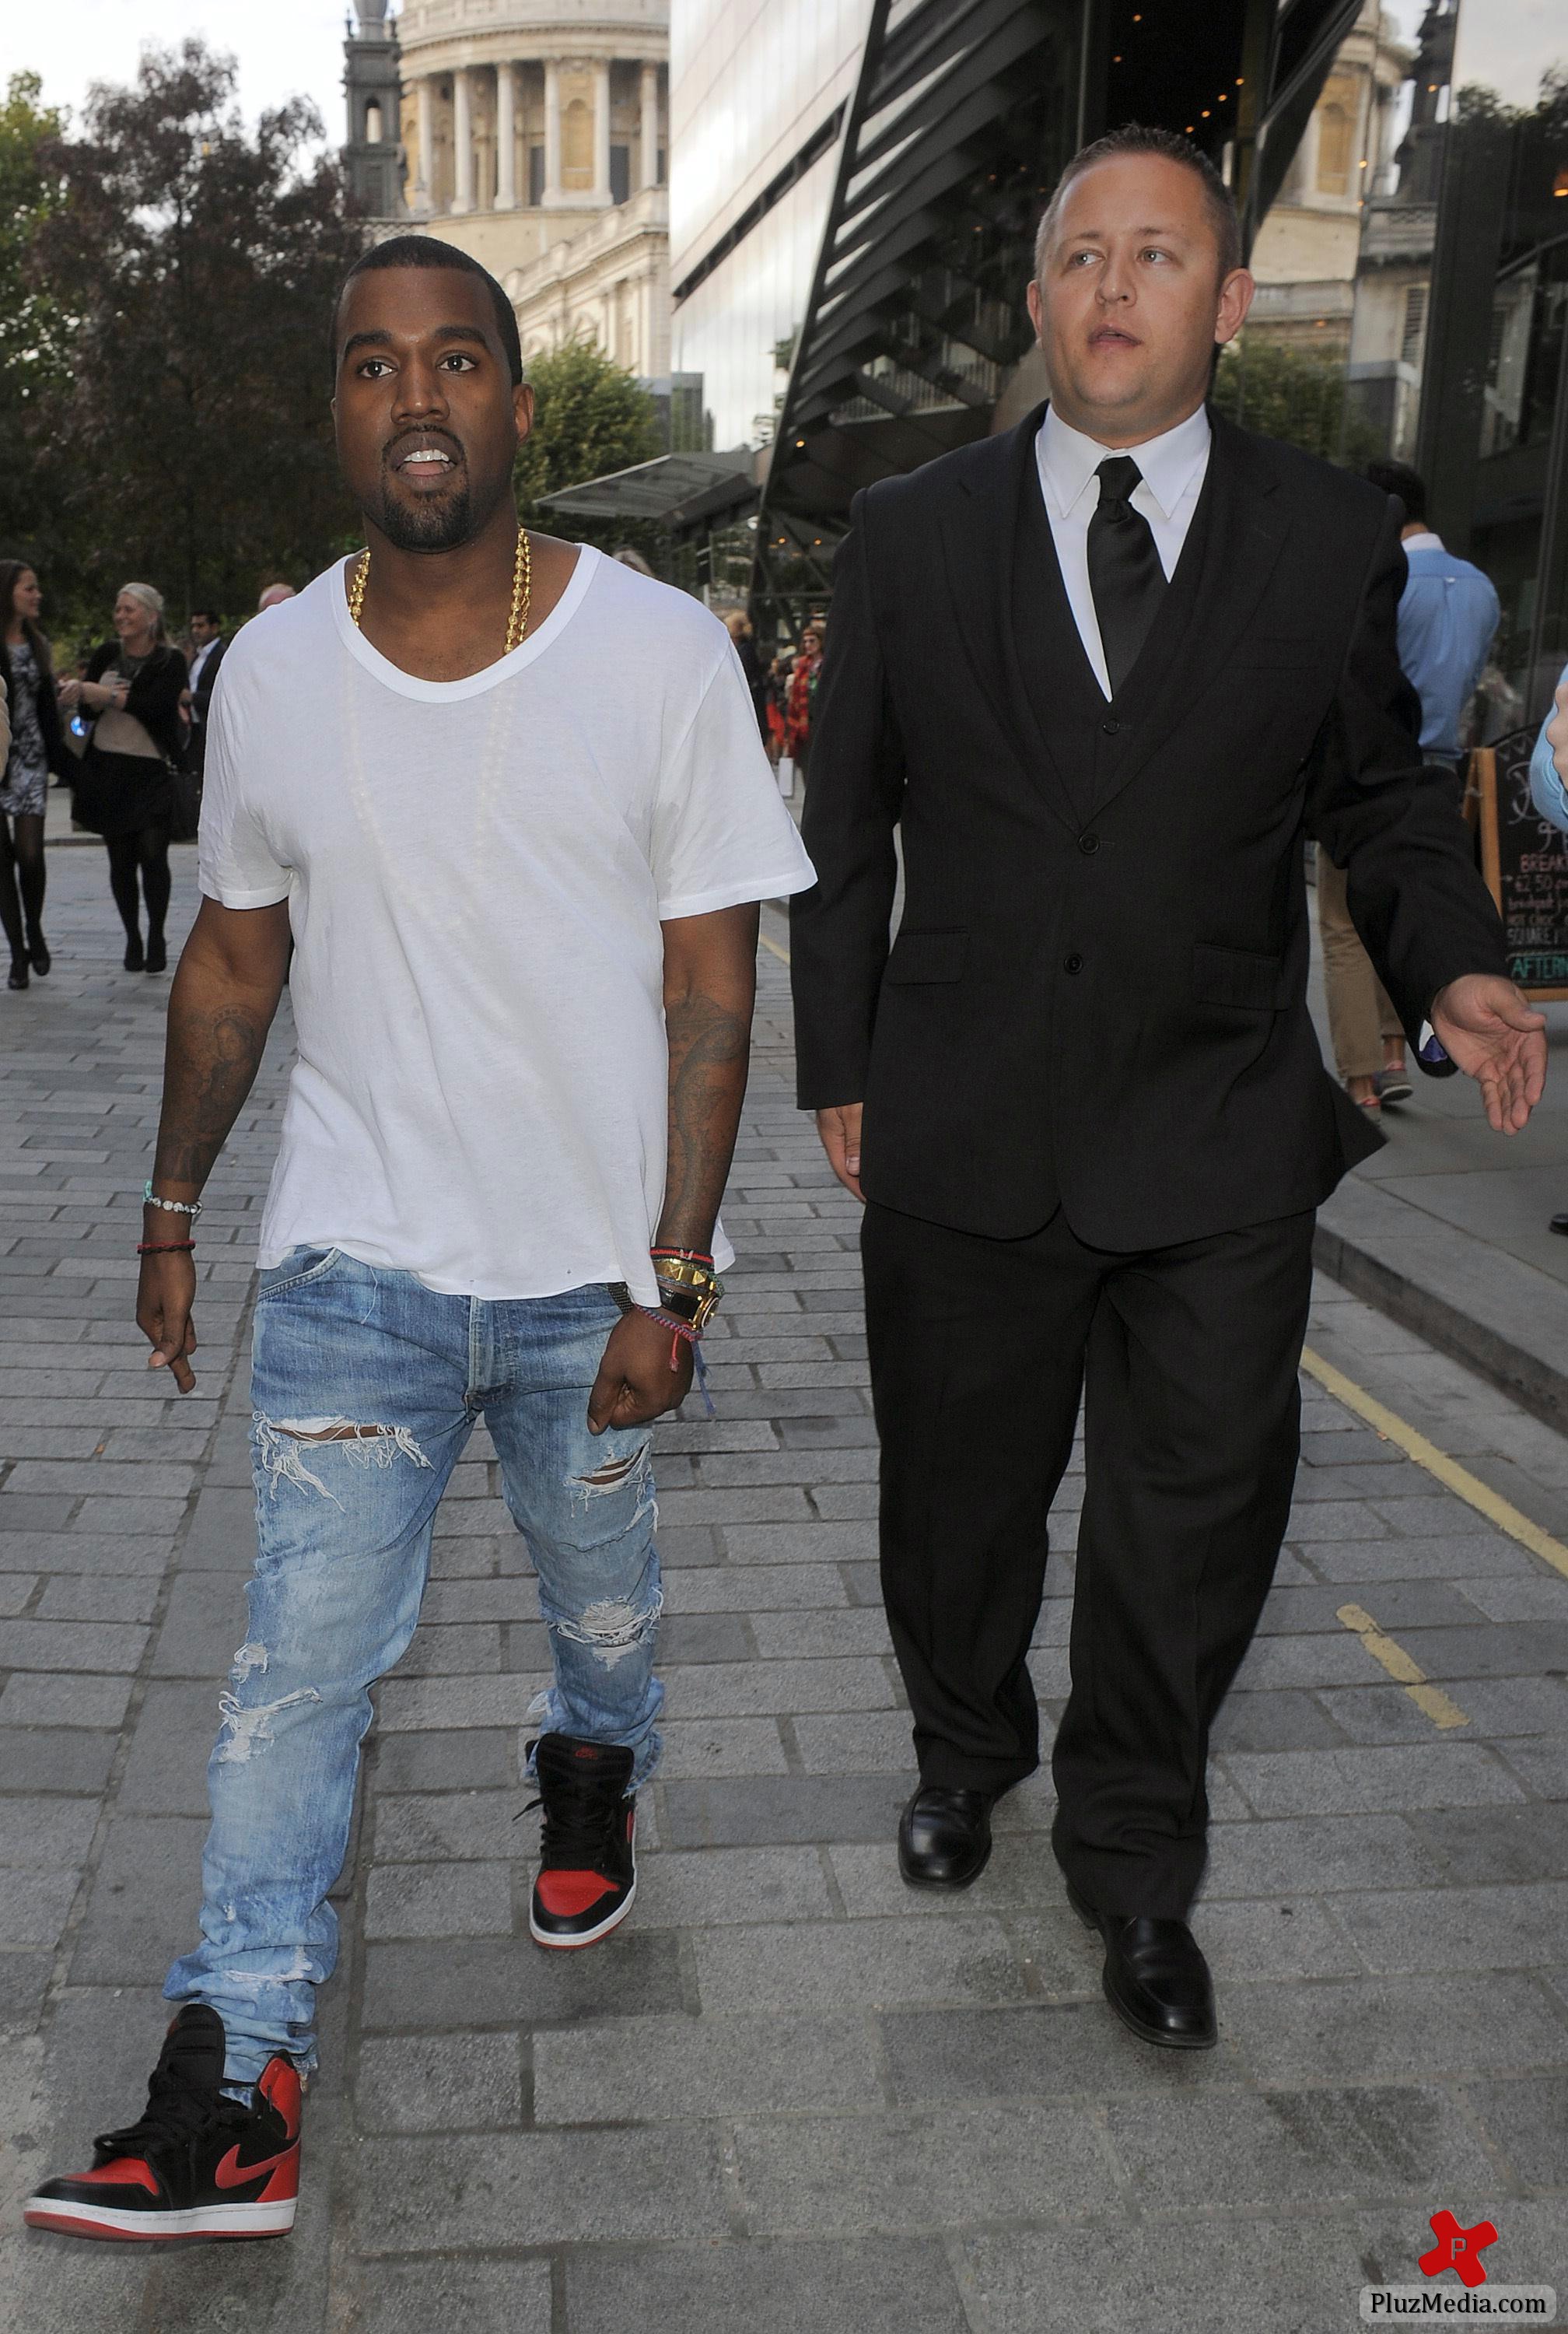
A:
[533,134]
[1308,248]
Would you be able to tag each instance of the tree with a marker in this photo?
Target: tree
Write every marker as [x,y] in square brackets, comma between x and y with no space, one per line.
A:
[1293,393]
[33,359]
[591,417]
[196,267]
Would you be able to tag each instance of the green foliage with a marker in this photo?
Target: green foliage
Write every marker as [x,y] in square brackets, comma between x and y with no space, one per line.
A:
[33,359]
[187,438]
[1298,395]
[590,418]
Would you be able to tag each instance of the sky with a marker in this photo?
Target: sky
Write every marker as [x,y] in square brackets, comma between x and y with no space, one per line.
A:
[285,48]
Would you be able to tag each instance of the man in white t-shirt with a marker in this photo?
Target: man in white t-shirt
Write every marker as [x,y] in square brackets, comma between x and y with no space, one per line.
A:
[508,800]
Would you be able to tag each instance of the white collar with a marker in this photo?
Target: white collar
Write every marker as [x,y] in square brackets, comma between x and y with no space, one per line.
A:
[1425,541]
[1168,463]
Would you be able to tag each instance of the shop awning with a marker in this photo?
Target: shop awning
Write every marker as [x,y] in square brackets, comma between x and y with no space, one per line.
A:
[679,490]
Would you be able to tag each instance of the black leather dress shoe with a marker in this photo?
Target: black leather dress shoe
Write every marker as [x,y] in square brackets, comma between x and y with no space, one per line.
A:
[1156,1978]
[944,1836]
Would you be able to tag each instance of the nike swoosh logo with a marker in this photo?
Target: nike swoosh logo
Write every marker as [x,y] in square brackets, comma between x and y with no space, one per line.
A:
[232,2173]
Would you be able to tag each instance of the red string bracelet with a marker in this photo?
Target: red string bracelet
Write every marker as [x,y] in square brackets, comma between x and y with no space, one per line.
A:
[162,1248]
[683,1333]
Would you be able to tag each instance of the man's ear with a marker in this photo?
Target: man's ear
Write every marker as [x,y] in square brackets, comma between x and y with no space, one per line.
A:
[1235,298]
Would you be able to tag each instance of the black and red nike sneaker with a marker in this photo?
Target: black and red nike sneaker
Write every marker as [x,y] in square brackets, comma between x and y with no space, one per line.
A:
[587,1867]
[197,2164]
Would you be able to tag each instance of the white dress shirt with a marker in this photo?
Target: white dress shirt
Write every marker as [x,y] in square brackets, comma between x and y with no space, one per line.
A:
[1174,467]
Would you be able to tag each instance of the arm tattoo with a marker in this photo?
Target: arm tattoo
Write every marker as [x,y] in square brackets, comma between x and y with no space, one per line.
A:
[213,1055]
[709,1046]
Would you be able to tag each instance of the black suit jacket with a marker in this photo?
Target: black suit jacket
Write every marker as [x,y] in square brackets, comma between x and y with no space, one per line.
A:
[1097,997]
[201,695]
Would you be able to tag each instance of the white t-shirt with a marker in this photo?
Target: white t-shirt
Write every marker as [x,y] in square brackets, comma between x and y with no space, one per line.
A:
[476,872]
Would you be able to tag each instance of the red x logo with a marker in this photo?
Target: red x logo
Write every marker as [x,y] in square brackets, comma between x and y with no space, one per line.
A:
[1458,2249]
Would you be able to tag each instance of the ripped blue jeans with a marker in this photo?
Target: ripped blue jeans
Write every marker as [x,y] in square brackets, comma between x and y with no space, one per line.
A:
[366,1385]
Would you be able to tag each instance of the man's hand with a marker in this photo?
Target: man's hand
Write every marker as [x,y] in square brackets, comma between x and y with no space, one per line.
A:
[164,1297]
[1557,734]
[635,1381]
[1488,1029]
[839,1132]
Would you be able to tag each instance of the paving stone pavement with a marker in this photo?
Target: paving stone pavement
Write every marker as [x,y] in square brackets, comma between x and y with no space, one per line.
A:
[788,2094]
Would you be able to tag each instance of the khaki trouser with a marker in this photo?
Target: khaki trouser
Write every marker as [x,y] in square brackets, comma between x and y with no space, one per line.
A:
[1359,1013]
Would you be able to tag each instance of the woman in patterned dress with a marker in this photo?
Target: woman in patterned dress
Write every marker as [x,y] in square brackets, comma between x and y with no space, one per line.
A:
[37,748]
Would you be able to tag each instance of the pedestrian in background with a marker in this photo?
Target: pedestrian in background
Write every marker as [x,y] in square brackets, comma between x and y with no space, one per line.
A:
[206,653]
[1447,620]
[776,689]
[272,594]
[124,784]
[1549,793]
[802,697]
[36,748]
[737,624]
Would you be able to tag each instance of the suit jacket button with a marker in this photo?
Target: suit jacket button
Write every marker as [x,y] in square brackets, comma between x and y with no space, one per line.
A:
[1089,845]
[1073,963]
[1111,728]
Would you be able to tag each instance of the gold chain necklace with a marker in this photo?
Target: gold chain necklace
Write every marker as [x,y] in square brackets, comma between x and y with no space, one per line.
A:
[522,590]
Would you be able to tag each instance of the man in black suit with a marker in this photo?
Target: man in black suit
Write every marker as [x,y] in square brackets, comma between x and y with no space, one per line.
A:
[1105,673]
[207,647]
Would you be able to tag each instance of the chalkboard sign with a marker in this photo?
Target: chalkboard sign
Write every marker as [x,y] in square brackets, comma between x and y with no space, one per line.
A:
[1524,860]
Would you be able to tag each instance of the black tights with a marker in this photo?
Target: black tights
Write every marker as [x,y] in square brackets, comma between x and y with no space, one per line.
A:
[147,851]
[21,879]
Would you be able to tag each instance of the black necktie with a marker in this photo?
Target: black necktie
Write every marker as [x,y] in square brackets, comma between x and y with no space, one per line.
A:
[1124,571]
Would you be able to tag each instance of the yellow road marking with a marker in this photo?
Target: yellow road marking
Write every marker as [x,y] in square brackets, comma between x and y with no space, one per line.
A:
[1432,1699]
[773,949]
[1448,1471]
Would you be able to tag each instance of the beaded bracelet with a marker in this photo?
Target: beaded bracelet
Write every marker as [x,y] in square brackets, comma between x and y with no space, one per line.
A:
[192,1208]
[683,1333]
[163,1247]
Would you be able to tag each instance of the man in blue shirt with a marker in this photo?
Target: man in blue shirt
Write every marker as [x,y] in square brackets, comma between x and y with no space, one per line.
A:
[1549,763]
[1447,620]
[1448,615]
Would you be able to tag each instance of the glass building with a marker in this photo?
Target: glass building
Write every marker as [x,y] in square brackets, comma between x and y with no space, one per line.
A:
[854,190]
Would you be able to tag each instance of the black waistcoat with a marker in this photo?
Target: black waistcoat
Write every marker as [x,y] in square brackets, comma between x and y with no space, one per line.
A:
[1091,742]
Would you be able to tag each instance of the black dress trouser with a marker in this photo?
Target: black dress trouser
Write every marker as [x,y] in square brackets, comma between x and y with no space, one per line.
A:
[1187,1359]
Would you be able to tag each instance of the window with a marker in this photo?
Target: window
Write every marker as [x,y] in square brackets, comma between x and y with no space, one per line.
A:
[373,122]
[619,173]
[1415,324]
[1333,150]
[577,145]
[535,176]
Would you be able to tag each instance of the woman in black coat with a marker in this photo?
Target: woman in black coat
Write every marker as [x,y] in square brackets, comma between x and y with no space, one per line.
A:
[36,749]
[124,790]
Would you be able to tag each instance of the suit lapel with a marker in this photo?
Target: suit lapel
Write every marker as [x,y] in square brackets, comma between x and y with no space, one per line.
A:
[1237,533]
[979,545]
[1055,682]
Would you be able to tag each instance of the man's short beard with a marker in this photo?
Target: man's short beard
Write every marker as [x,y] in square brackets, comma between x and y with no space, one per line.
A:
[426,526]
